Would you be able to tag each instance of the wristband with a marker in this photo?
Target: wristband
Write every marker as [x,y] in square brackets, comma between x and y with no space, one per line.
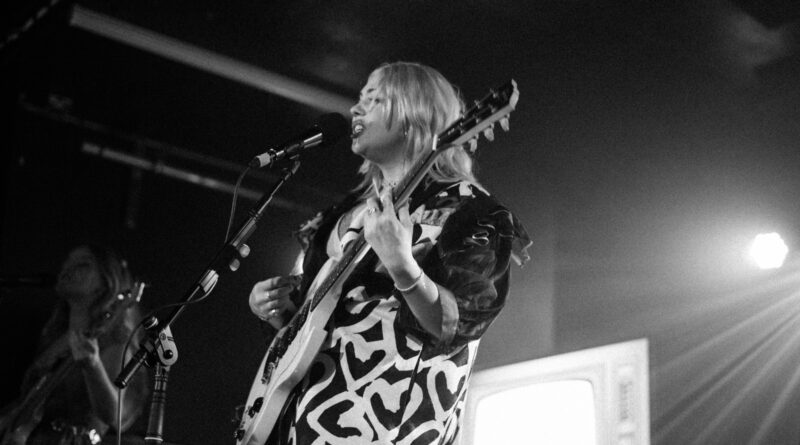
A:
[414,284]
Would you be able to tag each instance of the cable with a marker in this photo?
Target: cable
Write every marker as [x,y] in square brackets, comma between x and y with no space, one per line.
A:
[233,202]
[119,413]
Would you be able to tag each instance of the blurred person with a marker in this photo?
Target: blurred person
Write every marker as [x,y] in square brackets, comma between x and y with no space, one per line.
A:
[85,337]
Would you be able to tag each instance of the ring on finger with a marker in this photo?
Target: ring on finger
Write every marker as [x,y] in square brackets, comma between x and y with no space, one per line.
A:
[270,314]
[371,210]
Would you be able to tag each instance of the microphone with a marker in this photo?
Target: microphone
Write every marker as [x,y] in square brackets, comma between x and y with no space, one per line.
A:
[34,280]
[329,129]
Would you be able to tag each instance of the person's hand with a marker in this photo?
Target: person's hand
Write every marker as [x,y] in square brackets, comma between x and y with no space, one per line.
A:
[388,232]
[84,350]
[269,299]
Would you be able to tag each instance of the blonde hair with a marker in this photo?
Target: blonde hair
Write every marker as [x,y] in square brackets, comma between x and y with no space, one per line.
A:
[424,103]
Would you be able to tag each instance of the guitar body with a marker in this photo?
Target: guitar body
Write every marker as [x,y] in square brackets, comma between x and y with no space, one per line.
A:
[266,399]
[272,387]
[18,424]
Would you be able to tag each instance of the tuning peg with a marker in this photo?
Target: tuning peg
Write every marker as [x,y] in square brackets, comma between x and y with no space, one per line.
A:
[488,133]
[234,264]
[473,144]
[504,123]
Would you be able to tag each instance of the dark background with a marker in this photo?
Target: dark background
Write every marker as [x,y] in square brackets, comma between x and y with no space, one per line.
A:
[650,144]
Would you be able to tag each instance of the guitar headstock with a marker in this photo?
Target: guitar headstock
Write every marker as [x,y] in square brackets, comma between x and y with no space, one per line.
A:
[481,117]
[134,294]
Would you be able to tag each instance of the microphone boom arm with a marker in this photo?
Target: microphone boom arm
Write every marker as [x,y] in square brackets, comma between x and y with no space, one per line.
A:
[227,259]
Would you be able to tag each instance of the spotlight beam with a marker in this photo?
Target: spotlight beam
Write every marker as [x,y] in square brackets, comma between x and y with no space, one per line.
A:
[737,401]
[694,399]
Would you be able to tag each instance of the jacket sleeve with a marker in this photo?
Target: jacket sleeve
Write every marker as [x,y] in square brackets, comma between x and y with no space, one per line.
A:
[470,260]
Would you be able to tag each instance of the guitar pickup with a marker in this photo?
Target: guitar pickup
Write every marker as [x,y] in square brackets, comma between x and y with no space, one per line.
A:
[267,373]
[257,403]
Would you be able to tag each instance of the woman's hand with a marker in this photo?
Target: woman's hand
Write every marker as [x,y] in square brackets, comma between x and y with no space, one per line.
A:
[83,349]
[389,233]
[269,299]
[390,236]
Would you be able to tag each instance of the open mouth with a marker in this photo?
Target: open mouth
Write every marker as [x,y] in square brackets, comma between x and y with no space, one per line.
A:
[356,131]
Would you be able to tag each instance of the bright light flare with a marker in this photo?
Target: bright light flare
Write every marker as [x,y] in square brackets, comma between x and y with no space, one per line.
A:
[768,250]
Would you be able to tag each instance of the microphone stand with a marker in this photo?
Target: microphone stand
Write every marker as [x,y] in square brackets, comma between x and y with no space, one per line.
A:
[167,356]
[228,258]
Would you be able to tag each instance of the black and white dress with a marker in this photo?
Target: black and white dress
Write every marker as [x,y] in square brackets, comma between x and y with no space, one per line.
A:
[380,378]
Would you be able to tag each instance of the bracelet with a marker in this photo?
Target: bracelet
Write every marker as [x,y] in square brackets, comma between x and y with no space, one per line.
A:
[414,284]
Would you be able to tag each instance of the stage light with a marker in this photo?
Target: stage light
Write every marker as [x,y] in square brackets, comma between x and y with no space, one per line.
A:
[768,250]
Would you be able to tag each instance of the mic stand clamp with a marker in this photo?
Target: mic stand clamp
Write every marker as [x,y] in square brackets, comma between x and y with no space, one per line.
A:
[167,353]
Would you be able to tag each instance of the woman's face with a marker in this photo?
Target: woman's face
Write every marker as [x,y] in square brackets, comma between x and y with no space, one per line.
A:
[79,279]
[375,138]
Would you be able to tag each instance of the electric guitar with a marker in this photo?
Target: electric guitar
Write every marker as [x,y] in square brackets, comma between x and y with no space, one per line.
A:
[294,347]
[20,421]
